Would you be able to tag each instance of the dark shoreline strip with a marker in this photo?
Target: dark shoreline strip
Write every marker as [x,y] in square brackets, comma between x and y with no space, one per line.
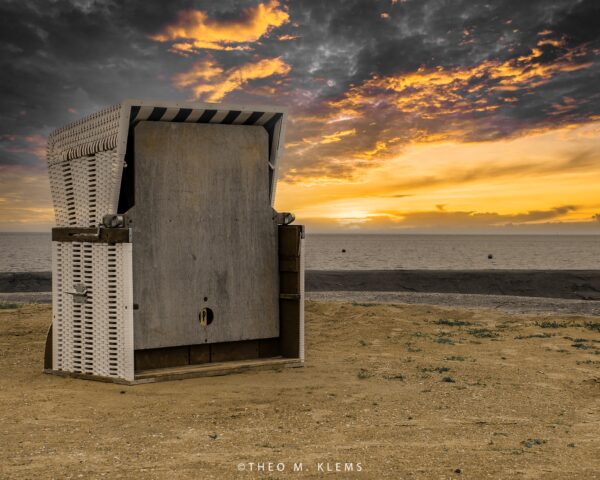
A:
[17,282]
[569,284]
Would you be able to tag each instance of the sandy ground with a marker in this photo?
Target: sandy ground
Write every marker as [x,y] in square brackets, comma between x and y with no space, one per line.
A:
[406,391]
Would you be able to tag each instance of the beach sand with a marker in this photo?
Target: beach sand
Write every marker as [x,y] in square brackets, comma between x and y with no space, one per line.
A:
[407,391]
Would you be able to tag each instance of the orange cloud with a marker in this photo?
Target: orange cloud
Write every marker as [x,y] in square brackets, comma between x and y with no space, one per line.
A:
[435,92]
[209,81]
[568,104]
[379,147]
[337,136]
[206,69]
[194,30]
[551,41]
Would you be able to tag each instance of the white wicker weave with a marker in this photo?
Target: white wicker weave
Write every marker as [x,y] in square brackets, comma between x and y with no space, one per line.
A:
[94,338]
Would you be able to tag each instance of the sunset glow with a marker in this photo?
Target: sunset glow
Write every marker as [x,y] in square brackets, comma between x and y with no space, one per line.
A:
[528,181]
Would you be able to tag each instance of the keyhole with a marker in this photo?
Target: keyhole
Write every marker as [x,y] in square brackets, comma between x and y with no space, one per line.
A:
[206,316]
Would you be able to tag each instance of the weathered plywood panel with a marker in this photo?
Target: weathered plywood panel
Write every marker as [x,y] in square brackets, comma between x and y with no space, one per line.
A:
[233,351]
[291,288]
[203,228]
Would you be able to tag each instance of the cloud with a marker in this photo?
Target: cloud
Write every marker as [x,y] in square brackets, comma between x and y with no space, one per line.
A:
[209,81]
[472,72]
[430,93]
[195,30]
[455,221]
[440,218]
[581,161]
[22,149]
[414,81]
[531,172]
[337,136]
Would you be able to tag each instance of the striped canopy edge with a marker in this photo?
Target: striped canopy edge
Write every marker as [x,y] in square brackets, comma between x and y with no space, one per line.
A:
[110,127]
[269,118]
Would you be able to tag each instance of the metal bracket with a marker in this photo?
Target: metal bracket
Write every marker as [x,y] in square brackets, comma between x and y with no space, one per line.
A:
[94,235]
[284,218]
[80,293]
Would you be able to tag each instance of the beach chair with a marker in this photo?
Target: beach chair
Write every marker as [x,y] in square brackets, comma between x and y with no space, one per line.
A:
[168,259]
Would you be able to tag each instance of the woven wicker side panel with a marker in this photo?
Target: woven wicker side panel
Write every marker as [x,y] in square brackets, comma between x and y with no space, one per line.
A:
[95,337]
[95,133]
[85,170]
[85,189]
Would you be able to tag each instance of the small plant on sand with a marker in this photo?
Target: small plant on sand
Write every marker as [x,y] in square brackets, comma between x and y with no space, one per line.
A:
[551,324]
[579,344]
[266,445]
[482,333]
[435,369]
[530,442]
[448,380]
[362,374]
[444,340]
[8,306]
[393,376]
[363,342]
[588,362]
[595,326]
[452,323]
[533,335]
[456,358]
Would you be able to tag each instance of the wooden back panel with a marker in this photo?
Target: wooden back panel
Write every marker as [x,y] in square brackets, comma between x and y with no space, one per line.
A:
[203,228]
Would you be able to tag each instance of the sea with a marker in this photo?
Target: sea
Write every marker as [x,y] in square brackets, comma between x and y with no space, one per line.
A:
[28,252]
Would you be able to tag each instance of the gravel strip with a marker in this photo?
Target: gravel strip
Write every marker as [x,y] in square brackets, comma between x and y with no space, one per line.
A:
[508,303]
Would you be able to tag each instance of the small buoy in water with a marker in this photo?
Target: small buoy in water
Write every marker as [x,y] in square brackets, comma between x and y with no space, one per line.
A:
[343,250]
[490,256]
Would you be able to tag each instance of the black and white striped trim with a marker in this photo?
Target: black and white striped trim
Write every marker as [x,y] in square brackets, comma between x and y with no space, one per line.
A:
[271,121]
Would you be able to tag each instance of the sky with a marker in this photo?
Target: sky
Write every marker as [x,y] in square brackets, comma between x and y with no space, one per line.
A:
[406,116]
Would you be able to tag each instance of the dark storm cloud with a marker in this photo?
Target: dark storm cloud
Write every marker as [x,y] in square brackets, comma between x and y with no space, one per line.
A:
[64,59]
